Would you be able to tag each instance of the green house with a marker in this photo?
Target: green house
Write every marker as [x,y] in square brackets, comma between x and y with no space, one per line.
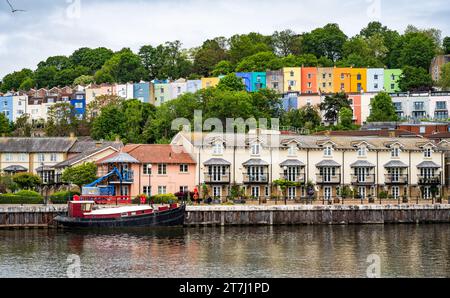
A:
[391,80]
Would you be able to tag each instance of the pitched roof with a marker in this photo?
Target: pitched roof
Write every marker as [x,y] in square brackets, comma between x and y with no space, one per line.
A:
[255,162]
[120,157]
[395,164]
[82,156]
[167,154]
[362,164]
[217,162]
[327,163]
[292,163]
[36,145]
[428,165]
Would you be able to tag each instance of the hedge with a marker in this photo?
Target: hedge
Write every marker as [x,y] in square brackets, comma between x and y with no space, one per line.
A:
[62,197]
[16,199]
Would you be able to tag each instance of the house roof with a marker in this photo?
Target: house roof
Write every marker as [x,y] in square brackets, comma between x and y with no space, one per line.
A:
[395,164]
[82,156]
[36,145]
[255,162]
[429,165]
[362,164]
[120,157]
[167,154]
[327,163]
[366,133]
[216,162]
[15,169]
[292,163]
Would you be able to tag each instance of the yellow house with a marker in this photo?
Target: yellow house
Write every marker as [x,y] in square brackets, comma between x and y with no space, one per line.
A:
[358,80]
[292,79]
[342,79]
[210,82]
[325,79]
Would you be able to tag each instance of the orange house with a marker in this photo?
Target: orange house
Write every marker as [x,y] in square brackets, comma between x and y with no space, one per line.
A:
[356,106]
[342,79]
[309,80]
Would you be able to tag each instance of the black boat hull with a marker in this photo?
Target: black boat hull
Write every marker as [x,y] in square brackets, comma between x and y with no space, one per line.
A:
[169,218]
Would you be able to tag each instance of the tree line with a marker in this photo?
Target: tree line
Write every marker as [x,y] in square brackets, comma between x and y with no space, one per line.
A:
[111,117]
[375,46]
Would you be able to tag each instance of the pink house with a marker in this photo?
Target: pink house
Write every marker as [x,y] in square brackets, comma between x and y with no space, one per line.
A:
[151,170]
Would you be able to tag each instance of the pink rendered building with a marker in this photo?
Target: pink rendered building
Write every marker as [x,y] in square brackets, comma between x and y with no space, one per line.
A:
[151,169]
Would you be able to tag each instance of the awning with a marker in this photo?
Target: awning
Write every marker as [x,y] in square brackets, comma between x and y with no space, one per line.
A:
[15,169]
[362,164]
[255,162]
[327,163]
[395,164]
[292,163]
[121,158]
[428,165]
[217,162]
[45,168]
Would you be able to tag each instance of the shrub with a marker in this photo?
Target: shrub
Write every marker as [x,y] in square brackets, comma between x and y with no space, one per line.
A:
[62,197]
[27,193]
[137,200]
[26,180]
[15,199]
[164,199]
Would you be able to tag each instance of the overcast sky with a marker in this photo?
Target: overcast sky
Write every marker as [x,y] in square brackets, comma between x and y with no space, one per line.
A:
[58,27]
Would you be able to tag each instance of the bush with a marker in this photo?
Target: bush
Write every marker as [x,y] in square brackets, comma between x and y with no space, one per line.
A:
[137,200]
[62,197]
[164,199]
[16,199]
[27,193]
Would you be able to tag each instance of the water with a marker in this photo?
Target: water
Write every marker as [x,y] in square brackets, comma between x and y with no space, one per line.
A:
[303,251]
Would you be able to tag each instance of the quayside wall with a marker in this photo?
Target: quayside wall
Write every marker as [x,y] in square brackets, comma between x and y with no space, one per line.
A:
[42,216]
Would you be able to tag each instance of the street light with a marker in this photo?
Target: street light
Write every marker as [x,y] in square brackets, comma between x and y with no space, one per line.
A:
[285,168]
[149,172]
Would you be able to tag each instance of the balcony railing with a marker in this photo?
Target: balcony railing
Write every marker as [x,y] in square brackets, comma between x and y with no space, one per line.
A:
[328,179]
[127,177]
[217,178]
[429,180]
[299,178]
[363,179]
[396,179]
[261,178]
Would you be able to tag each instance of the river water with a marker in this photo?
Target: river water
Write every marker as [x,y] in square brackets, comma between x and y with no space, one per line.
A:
[262,252]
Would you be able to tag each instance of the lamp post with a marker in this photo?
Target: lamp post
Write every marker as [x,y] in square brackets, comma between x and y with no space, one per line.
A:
[149,172]
[286,176]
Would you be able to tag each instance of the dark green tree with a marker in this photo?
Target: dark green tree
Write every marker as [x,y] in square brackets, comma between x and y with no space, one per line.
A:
[415,79]
[223,68]
[382,109]
[93,59]
[80,175]
[446,45]
[13,80]
[444,80]
[333,104]
[327,41]
[259,62]
[287,42]
[26,180]
[5,126]
[245,45]
[123,67]
[45,76]
[207,57]
[231,83]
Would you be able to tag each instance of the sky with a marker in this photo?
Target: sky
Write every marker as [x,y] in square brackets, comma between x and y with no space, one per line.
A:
[58,27]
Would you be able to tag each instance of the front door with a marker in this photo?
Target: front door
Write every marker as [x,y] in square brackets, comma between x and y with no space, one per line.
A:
[362,192]
[361,174]
[217,191]
[255,192]
[327,192]
[292,192]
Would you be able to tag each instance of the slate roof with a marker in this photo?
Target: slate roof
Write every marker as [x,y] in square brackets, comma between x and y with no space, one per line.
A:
[327,163]
[292,163]
[362,164]
[217,162]
[429,165]
[120,157]
[36,145]
[255,162]
[396,164]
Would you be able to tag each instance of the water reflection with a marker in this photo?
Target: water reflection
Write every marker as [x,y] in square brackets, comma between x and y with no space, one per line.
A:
[304,251]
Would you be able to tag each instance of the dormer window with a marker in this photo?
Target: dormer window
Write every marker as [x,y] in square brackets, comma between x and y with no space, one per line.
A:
[328,151]
[218,149]
[428,152]
[395,152]
[362,151]
[292,151]
[256,149]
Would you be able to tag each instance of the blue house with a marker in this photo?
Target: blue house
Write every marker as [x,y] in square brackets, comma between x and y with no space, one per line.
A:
[79,104]
[6,106]
[246,79]
[141,91]
[290,102]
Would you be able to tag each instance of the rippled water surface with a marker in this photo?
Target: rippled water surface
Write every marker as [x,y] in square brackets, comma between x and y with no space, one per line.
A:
[304,251]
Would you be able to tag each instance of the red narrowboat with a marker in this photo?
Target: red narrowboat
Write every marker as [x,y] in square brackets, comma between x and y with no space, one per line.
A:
[81,214]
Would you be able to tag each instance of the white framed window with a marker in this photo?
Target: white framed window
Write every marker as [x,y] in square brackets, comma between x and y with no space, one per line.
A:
[267,191]
[217,191]
[53,157]
[292,151]
[428,152]
[256,149]
[147,169]
[23,157]
[8,157]
[162,190]
[162,169]
[255,191]
[362,151]
[184,168]
[328,151]
[218,149]
[292,193]
[395,192]
[395,152]
[147,190]
[184,189]
[41,157]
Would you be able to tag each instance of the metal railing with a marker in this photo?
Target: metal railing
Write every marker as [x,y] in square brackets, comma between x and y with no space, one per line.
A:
[300,178]
[429,180]
[363,179]
[217,177]
[261,178]
[328,179]
[396,179]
